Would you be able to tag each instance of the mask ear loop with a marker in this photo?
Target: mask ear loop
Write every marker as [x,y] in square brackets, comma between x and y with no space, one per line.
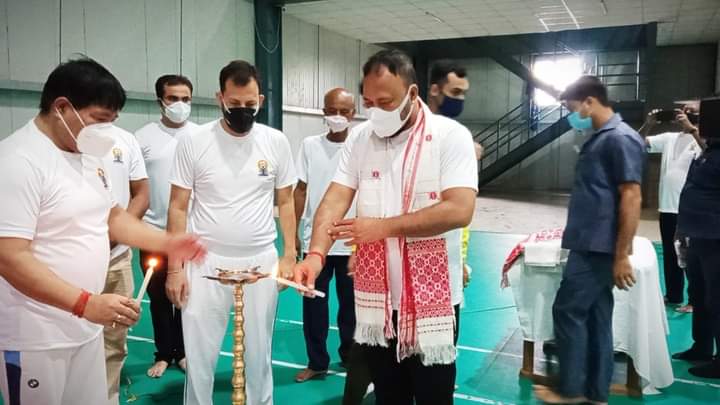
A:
[66,125]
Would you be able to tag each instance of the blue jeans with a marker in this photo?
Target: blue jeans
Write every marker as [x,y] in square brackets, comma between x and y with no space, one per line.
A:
[582,316]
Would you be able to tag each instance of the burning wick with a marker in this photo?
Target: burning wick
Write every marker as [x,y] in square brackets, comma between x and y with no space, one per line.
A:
[148,274]
[299,287]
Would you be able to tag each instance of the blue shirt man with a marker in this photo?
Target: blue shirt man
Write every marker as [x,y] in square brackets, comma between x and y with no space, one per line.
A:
[614,155]
[602,218]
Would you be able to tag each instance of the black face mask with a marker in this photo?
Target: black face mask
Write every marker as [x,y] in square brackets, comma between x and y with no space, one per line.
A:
[239,119]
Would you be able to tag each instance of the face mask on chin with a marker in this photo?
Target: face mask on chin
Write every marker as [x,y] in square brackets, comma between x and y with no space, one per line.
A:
[94,139]
[387,123]
[240,119]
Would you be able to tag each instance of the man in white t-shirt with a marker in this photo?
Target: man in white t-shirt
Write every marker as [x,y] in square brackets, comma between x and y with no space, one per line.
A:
[678,150]
[234,168]
[316,165]
[158,140]
[125,169]
[57,216]
[415,175]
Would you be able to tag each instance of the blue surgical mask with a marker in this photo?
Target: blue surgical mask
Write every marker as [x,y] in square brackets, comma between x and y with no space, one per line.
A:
[577,122]
[451,107]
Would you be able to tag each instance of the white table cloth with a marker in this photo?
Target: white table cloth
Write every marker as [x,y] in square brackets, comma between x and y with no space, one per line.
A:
[639,321]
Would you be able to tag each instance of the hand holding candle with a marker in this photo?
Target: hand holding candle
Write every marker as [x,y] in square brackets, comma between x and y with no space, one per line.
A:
[299,287]
[148,274]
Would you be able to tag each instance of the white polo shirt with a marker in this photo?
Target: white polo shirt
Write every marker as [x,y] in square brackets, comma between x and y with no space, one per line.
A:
[60,201]
[124,163]
[316,165]
[233,180]
[678,151]
[158,143]
[458,168]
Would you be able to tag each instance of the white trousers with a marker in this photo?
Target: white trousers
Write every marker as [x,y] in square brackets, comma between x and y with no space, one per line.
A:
[205,322]
[73,376]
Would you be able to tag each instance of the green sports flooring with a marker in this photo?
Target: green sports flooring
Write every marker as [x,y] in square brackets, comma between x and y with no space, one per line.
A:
[488,363]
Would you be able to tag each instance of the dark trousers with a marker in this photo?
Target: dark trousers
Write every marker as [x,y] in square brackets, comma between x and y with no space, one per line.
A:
[358,373]
[582,314]
[674,277]
[705,285]
[316,317]
[166,320]
[701,327]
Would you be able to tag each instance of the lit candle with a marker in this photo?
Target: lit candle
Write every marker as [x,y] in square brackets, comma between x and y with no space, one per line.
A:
[148,274]
[300,287]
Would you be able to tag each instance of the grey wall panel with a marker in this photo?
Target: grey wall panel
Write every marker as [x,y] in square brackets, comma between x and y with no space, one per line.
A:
[4,61]
[115,33]
[162,21]
[72,30]
[32,40]
[300,63]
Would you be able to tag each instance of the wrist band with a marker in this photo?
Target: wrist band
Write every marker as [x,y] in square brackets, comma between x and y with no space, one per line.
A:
[318,254]
[79,307]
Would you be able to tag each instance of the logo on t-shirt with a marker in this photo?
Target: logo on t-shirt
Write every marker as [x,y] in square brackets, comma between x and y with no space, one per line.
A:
[262,168]
[101,174]
[117,155]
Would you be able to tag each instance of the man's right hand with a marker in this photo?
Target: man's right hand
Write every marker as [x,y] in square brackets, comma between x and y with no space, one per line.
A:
[112,310]
[307,271]
[177,288]
[652,118]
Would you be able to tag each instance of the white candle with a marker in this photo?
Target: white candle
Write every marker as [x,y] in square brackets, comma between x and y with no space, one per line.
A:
[280,280]
[148,274]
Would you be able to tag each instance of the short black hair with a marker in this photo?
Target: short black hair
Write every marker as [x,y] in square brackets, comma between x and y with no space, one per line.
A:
[709,124]
[240,72]
[584,87]
[171,80]
[85,83]
[397,62]
[442,68]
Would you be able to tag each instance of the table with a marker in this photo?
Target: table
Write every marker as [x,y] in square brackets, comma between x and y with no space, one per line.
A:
[639,321]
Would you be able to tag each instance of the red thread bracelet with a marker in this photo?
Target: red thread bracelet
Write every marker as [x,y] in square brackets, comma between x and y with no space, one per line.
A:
[81,303]
[318,254]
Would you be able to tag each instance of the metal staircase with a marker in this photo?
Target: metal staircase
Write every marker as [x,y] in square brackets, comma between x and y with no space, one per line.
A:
[516,135]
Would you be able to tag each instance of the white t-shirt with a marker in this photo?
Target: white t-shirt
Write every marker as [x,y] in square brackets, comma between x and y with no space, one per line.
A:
[458,168]
[61,202]
[678,151]
[317,163]
[123,164]
[233,180]
[157,143]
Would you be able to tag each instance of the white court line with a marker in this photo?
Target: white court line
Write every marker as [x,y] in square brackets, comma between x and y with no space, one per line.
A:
[487,351]
[279,363]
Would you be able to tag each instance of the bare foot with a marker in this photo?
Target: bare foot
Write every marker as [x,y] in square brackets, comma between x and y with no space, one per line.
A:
[308,374]
[158,369]
[548,396]
[182,364]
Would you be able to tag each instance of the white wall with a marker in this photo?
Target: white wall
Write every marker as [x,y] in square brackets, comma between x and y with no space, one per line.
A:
[137,40]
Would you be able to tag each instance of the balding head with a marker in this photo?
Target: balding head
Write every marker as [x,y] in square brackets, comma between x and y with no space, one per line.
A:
[339,101]
[339,95]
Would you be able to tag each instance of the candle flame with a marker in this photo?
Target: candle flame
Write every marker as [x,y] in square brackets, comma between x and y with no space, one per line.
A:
[153,262]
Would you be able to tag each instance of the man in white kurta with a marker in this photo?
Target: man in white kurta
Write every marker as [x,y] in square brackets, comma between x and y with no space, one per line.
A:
[234,168]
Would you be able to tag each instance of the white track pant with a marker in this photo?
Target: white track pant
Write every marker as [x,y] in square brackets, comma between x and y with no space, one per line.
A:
[72,376]
[205,321]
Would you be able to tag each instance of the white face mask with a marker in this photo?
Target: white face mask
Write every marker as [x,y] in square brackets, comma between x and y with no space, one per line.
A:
[336,123]
[177,112]
[94,139]
[387,123]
